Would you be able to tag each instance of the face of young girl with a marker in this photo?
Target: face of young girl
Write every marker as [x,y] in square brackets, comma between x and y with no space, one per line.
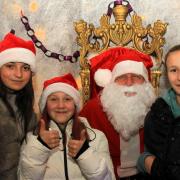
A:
[173,70]
[60,107]
[15,75]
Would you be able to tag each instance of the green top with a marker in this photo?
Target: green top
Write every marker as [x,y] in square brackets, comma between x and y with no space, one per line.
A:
[170,98]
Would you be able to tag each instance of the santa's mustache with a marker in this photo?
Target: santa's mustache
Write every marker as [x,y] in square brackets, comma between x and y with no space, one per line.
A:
[126,113]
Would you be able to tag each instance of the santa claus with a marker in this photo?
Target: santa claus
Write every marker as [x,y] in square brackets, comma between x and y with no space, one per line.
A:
[120,107]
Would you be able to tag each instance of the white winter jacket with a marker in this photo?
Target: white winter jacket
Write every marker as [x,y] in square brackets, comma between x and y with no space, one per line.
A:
[37,162]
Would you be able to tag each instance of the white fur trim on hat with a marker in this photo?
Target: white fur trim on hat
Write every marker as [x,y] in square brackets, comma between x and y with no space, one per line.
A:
[102,77]
[129,66]
[18,55]
[63,87]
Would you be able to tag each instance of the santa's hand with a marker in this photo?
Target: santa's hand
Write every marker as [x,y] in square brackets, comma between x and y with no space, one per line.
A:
[50,138]
[74,146]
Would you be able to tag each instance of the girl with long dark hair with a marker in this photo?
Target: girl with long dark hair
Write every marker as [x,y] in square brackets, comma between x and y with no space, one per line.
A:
[65,147]
[17,66]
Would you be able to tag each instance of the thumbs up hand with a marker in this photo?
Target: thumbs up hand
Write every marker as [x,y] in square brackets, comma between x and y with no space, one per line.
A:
[74,146]
[49,137]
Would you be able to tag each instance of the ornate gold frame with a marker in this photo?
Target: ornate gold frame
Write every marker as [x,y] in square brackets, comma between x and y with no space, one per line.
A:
[148,40]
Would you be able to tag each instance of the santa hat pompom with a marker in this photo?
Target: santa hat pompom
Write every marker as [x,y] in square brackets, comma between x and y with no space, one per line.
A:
[102,77]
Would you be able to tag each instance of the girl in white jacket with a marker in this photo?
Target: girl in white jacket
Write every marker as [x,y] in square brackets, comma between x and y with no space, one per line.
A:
[64,147]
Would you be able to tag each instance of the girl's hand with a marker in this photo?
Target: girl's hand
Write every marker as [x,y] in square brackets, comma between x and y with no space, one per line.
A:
[49,137]
[148,163]
[74,146]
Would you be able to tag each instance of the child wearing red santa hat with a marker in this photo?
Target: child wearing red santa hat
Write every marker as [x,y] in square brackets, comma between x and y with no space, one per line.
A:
[65,146]
[17,66]
[120,107]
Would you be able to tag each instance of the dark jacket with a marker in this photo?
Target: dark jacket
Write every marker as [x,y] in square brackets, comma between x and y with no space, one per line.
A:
[11,136]
[162,138]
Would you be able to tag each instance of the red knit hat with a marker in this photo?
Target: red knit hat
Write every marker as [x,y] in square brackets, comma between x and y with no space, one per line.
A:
[66,84]
[107,66]
[15,49]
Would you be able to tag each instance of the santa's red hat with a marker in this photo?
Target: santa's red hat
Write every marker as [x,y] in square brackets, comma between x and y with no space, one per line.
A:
[15,49]
[66,84]
[110,64]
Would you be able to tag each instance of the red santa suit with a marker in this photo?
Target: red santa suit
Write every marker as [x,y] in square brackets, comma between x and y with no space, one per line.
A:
[98,119]
[105,67]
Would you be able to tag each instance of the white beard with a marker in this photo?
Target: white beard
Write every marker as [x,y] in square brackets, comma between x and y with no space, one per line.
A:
[127,113]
